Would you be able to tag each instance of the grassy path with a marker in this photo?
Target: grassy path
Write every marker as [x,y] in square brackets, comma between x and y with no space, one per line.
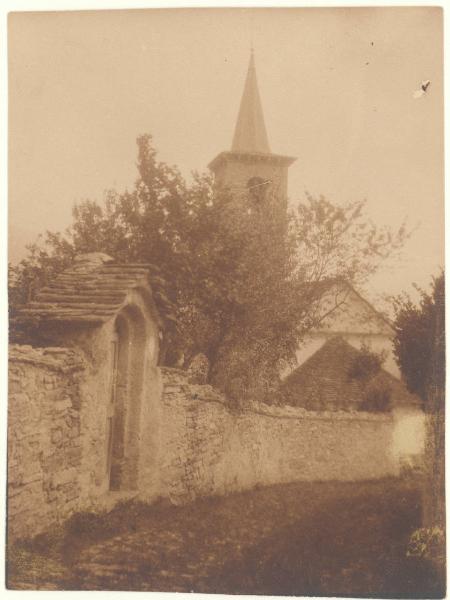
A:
[302,538]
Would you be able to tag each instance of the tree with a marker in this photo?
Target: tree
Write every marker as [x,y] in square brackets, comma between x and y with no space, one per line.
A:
[240,278]
[366,364]
[420,352]
[419,342]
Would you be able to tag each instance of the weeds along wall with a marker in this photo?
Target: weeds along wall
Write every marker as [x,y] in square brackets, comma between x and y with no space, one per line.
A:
[183,440]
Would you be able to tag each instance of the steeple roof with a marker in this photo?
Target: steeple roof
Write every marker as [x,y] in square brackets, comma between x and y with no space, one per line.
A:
[250,133]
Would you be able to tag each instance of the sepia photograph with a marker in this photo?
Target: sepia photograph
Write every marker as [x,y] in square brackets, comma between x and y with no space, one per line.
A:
[226,301]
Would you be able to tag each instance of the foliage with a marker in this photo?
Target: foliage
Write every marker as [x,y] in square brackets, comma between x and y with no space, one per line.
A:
[427,542]
[46,257]
[366,364]
[239,282]
[419,342]
[340,240]
[377,397]
[85,526]
[420,352]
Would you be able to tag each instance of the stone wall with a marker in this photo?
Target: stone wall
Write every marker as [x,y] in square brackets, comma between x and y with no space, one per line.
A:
[44,439]
[212,450]
[57,431]
[190,443]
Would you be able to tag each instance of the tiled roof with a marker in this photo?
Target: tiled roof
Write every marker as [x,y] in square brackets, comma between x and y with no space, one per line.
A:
[90,292]
[323,383]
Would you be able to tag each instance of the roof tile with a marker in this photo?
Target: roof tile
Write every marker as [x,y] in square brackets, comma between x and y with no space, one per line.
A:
[90,291]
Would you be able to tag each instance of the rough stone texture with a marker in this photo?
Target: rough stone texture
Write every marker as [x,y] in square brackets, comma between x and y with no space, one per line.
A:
[44,439]
[60,409]
[212,450]
[180,440]
[198,369]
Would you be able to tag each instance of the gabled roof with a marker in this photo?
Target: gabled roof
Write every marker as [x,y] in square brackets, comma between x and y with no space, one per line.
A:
[315,291]
[323,382]
[90,292]
[250,134]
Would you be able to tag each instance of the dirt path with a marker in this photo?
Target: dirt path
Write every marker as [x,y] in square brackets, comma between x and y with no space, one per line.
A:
[321,538]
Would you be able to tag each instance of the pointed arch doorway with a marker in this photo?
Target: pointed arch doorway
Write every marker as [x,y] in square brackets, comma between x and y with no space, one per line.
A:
[127,359]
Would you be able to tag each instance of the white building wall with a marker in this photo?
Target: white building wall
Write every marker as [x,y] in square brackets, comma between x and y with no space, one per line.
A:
[356,321]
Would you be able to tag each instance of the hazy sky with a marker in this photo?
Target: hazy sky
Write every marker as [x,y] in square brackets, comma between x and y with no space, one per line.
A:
[336,86]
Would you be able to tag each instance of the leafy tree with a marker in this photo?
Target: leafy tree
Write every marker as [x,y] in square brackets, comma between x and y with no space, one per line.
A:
[239,280]
[419,342]
[377,397]
[366,364]
[339,240]
[420,352]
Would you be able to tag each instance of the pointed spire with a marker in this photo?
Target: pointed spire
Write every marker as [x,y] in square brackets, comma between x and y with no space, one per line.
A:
[250,133]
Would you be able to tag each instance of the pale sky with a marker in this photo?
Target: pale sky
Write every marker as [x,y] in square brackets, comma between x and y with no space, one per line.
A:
[336,87]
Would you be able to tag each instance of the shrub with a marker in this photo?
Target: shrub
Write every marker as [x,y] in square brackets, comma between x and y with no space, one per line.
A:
[377,398]
[87,524]
[427,542]
[366,364]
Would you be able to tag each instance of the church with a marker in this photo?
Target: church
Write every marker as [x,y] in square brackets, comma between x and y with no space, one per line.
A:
[252,170]
[94,419]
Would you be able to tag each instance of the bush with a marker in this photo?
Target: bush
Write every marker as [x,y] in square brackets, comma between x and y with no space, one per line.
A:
[428,542]
[366,365]
[87,524]
[377,398]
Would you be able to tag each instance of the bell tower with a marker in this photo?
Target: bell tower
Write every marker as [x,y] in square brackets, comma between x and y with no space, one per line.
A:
[250,170]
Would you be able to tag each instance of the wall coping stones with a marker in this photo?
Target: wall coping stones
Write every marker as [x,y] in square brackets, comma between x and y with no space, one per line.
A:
[176,382]
[289,412]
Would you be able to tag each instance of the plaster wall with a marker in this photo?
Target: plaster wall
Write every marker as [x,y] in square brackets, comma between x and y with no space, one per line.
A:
[378,342]
[351,318]
[236,174]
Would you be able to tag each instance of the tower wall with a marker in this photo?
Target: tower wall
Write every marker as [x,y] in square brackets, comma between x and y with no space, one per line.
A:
[236,173]
[250,156]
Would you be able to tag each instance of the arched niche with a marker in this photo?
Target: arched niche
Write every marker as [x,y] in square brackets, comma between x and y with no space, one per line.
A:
[128,354]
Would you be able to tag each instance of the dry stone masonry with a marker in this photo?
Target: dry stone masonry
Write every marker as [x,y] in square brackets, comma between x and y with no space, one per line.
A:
[192,444]
[44,438]
[211,449]
[92,419]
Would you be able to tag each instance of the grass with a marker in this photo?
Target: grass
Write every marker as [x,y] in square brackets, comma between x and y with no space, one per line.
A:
[341,539]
